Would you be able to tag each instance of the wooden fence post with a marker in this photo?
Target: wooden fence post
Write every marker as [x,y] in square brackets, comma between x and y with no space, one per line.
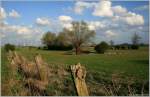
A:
[79,74]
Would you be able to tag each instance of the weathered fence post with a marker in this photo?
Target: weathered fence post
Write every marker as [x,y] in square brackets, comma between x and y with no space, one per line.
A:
[79,74]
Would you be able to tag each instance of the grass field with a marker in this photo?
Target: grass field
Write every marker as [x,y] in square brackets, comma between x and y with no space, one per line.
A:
[127,63]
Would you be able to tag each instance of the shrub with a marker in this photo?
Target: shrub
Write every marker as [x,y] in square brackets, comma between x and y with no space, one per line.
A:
[129,46]
[102,47]
[39,47]
[45,48]
[9,47]
[134,46]
[60,47]
[117,47]
[123,47]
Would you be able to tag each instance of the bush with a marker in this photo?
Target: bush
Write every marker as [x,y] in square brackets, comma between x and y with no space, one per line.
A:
[102,47]
[8,47]
[39,47]
[117,47]
[123,47]
[134,46]
[60,47]
[45,48]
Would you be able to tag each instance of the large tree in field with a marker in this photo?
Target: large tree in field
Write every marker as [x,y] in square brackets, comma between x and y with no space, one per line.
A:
[79,34]
[49,39]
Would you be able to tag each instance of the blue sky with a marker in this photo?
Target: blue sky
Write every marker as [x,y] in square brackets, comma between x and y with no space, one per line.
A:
[41,16]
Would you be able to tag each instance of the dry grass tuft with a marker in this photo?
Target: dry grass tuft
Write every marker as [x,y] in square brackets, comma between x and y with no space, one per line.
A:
[34,74]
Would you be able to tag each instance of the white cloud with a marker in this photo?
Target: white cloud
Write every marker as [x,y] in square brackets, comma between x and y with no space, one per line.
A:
[3,14]
[117,13]
[23,30]
[14,14]
[20,30]
[103,8]
[109,34]
[67,25]
[17,34]
[94,25]
[42,21]
[64,18]
[7,28]
[65,21]
[80,6]
[133,19]
[124,16]
[2,35]
[119,9]
[140,28]
[141,8]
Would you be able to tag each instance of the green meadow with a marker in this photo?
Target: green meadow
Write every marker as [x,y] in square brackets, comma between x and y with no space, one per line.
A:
[127,63]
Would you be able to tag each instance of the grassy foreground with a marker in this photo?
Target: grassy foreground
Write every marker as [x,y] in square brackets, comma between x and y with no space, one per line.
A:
[126,63]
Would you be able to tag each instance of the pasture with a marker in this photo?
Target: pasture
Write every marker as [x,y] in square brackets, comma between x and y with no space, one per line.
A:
[128,64]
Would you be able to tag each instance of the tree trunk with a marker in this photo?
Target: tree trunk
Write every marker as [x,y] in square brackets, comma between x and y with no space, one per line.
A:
[77,50]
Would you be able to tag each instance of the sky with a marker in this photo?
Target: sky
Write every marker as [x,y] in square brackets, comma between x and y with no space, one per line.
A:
[24,22]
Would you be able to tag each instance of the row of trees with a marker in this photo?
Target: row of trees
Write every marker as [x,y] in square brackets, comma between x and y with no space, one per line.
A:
[9,47]
[135,43]
[78,35]
[56,42]
[103,46]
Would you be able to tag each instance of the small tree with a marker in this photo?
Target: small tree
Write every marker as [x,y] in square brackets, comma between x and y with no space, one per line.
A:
[9,47]
[135,41]
[111,43]
[101,47]
[49,39]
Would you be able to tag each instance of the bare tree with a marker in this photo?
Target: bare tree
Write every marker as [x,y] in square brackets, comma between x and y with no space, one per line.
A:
[135,39]
[111,43]
[79,34]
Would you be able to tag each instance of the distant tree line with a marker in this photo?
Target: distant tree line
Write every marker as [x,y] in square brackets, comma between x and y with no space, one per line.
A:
[135,43]
[80,35]
[9,47]
[125,46]
[104,46]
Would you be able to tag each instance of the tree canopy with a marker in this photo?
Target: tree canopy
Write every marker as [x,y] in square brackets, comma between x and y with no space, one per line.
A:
[79,34]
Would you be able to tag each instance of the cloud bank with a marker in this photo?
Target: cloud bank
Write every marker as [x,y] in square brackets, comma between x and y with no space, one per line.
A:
[114,22]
